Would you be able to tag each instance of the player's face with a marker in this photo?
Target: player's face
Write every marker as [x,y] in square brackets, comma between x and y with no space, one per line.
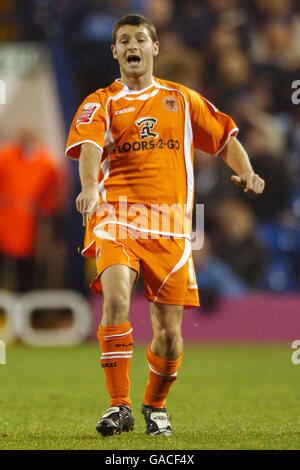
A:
[134,50]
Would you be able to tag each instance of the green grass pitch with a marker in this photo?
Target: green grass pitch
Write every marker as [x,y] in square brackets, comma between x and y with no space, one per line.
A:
[225,397]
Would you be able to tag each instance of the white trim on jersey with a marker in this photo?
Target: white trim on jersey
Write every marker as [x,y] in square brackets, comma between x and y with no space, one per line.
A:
[119,95]
[188,139]
[143,97]
[227,140]
[105,166]
[211,104]
[83,142]
[188,161]
[135,92]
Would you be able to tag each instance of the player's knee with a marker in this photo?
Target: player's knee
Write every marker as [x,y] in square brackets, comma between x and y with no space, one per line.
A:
[169,336]
[115,309]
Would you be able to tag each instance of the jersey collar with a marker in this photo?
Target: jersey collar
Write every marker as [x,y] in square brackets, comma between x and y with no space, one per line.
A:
[134,92]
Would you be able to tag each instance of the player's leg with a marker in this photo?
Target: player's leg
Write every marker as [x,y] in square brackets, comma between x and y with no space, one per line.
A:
[115,336]
[118,267]
[170,285]
[117,284]
[166,323]
[164,358]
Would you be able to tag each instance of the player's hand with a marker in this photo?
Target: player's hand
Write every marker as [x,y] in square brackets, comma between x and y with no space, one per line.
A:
[87,203]
[249,182]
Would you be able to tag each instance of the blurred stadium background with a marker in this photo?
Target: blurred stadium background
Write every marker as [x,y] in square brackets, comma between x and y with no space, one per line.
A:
[245,58]
[242,56]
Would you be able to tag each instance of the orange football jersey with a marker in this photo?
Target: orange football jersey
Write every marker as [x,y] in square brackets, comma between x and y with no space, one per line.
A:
[147,137]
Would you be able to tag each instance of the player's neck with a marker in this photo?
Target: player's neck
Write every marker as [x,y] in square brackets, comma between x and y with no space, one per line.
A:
[136,83]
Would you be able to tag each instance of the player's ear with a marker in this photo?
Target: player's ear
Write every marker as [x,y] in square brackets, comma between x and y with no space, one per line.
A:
[113,50]
[155,48]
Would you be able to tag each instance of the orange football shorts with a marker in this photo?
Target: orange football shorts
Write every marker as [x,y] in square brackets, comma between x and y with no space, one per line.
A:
[167,264]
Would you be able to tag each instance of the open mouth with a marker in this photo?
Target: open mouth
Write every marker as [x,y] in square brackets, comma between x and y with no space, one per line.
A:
[133,59]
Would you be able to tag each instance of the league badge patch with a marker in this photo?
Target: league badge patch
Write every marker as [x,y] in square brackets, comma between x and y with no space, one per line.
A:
[87,113]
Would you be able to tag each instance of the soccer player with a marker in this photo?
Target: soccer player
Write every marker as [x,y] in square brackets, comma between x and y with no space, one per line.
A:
[134,141]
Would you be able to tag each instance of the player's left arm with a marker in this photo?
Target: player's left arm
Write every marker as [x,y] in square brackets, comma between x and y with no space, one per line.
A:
[236,157]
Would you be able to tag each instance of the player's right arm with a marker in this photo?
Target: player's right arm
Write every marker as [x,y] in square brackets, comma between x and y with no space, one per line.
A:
[87,201]
[85,143]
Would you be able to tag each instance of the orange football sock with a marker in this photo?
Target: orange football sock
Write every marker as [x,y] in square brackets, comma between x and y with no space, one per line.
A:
[117,346]
[162,374]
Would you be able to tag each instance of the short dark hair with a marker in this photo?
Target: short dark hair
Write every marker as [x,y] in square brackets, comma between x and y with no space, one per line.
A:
[134,20]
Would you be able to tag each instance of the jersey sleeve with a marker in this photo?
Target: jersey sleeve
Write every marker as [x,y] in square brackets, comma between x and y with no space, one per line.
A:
[89,125]
[212,129]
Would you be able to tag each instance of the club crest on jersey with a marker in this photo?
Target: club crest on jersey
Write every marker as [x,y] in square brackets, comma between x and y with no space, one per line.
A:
[170,103]
[87,113]
[147,124]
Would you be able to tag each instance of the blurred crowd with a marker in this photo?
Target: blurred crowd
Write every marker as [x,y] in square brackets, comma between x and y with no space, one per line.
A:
[31,200]
[244,56]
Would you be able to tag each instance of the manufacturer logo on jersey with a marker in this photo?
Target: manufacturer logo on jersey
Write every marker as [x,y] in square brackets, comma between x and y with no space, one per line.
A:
[87,113]
[170,103]
[147,124]
[125,110]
